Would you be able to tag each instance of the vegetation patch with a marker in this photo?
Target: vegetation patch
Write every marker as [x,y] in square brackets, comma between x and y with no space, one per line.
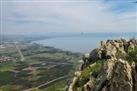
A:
[132,55]
[90,73]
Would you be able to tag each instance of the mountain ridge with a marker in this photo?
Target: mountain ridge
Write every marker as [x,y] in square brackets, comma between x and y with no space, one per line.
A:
[111,67]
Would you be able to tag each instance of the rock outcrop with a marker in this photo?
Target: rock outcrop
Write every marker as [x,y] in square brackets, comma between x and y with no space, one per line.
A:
[115,75]
[108,68]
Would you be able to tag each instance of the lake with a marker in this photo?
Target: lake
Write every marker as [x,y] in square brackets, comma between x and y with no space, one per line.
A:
[82,44]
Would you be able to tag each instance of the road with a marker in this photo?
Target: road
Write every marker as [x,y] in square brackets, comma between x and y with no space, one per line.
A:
[47,83]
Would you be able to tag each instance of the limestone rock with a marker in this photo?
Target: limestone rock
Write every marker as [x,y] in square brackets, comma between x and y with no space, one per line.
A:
[115,76]
[72,86]
[116,73]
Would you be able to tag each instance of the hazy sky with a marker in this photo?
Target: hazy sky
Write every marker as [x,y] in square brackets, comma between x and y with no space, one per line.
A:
[42,16]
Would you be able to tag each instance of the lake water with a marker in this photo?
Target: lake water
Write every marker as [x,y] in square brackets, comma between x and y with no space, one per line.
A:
[82,44]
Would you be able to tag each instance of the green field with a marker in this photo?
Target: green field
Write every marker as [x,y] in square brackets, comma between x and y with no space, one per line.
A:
[41,65]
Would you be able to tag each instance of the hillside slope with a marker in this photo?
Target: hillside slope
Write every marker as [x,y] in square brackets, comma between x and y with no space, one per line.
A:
[111,67]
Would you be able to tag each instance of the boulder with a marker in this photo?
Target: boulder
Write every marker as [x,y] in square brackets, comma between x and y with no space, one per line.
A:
[115,76]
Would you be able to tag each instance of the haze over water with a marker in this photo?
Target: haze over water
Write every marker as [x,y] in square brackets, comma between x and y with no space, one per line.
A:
[81,43]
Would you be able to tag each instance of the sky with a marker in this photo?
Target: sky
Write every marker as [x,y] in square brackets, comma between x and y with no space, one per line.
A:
[55,16]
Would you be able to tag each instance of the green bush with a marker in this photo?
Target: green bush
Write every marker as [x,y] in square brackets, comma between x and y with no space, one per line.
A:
[7,88]
[86,73]
[132,55]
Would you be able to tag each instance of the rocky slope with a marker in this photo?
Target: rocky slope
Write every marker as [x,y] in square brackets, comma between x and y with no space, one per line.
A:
[111,67]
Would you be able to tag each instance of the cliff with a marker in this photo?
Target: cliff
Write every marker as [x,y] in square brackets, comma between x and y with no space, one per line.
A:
[111,67]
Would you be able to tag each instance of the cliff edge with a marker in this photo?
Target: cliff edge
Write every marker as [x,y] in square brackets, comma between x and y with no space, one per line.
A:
[112,67]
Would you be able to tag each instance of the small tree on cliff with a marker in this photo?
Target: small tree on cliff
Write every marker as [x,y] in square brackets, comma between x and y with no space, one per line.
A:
[132,55]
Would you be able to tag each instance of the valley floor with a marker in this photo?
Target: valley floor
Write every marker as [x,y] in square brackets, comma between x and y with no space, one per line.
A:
[43,68]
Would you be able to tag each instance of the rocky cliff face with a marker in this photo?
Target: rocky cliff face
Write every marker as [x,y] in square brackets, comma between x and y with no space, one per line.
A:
[112,67]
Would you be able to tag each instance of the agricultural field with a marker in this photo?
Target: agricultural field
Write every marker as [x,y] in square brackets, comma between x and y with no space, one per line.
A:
[43,68]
